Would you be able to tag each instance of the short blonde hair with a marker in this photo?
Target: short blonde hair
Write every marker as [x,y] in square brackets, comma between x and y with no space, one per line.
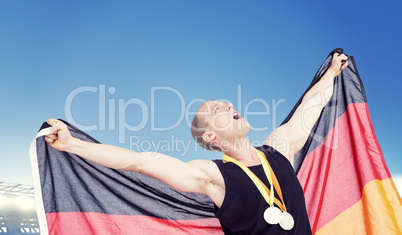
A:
[198,128]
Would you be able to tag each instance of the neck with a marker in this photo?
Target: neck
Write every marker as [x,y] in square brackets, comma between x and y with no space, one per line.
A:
[243,151]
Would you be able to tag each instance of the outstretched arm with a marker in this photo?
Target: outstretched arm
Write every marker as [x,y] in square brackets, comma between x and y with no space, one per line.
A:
[291,137]
[196,176]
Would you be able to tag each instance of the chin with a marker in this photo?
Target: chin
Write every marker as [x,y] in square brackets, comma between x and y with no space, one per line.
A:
[247,124]
[244,128]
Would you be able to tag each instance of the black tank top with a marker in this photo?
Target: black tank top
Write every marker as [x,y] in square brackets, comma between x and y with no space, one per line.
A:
[243,206]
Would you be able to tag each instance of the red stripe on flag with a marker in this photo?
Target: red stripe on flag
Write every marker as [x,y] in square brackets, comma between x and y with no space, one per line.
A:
[97,223]
[334,173]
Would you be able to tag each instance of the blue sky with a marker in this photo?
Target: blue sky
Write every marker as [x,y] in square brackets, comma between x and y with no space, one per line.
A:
[123,54]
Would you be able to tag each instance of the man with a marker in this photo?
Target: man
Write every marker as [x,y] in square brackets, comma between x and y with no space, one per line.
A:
[240,205]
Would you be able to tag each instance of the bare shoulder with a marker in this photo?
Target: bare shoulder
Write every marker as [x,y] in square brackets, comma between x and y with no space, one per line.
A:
[209,168]
[202,163]
[214,184]
[280,140]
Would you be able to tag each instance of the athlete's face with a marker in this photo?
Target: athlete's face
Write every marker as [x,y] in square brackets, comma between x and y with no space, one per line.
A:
[223,120]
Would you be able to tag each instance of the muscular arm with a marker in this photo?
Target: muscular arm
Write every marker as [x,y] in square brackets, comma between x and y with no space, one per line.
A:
[199,176]
[184,177]
[291,137]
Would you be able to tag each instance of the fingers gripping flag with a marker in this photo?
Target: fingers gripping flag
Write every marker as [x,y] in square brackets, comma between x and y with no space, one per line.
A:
[347,185]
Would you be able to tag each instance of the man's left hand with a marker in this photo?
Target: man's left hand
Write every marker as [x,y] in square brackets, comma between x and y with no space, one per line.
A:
[338,63]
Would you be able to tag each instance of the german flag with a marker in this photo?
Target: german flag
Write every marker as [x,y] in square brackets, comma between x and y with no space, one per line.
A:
[347,185]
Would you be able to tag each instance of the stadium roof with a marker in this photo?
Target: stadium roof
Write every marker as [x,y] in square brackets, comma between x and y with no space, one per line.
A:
[16,189]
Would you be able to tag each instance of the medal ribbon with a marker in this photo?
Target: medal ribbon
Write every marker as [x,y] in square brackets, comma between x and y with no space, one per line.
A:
[273,181]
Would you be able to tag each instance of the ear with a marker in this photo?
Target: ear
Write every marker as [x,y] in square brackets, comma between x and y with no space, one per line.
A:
[208,136]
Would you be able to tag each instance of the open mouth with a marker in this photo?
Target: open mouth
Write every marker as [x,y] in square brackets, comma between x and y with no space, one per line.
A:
[236,116]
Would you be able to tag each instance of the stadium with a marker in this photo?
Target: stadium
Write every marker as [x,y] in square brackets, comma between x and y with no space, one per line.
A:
[17,209]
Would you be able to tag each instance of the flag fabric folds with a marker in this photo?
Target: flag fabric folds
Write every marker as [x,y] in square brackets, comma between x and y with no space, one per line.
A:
[76,196]
[347,185]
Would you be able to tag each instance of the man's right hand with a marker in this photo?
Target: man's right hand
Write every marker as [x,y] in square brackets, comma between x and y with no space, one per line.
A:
[61,137]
